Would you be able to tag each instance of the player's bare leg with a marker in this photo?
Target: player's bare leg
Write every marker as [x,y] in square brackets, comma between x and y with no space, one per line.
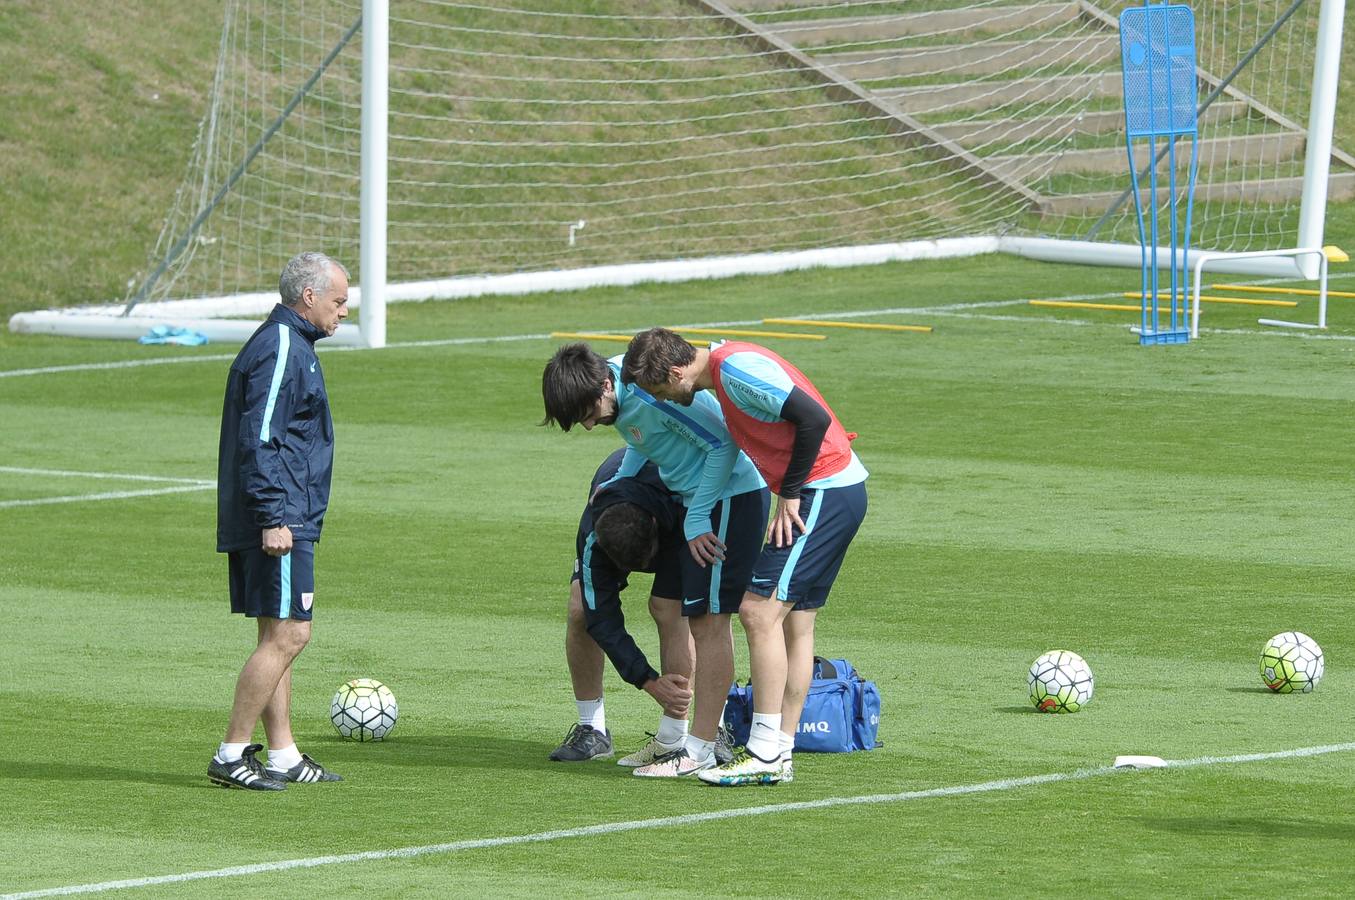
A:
[677,656]
[277,713]
[677,649]
[760,761]
[280,643]
[584,657]
[714,673]
[588,738]
[762,619]
[798,628]
[265,673]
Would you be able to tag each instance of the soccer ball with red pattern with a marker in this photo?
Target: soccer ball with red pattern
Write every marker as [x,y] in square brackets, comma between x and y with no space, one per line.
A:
[1060,681]
[1291,663]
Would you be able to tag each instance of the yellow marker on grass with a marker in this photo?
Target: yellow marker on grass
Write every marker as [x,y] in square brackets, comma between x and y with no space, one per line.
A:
[618,338]
[1077,304]
[789,335]
[1237,301]
[1298,292]
[869,326]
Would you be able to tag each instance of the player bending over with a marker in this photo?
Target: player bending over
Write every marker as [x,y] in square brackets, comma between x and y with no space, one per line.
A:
[784,425]
[629,525]
[724,507]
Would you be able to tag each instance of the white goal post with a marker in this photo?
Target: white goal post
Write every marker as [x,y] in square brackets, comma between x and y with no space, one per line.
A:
[465,147]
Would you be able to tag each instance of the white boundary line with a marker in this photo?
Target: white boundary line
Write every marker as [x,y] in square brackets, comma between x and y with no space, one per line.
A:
[182,485]
[106,495]
[70,473]
[122,364]
[954,309]
[1004,784]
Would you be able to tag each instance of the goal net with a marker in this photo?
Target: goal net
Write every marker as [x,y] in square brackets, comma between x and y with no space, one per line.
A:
[537,136]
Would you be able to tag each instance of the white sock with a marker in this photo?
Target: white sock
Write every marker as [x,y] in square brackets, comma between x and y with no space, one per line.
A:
[763,738]
[786,743]
[698,749]
[592,713]
[283,757]
[229,753]
[671,731]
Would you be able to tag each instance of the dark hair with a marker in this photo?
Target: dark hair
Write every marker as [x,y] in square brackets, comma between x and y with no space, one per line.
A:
[572,384]
[652,354]
[628,534]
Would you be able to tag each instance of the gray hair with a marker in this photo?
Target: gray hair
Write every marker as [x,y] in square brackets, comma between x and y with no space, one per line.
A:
[306,270]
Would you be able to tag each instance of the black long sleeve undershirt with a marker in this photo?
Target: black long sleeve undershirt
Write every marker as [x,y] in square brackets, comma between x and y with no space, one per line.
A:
[811,423]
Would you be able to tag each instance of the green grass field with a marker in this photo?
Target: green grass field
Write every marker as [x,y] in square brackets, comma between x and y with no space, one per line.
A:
[1038,481]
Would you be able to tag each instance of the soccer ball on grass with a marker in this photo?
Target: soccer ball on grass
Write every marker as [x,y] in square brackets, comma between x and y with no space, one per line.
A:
[363,709]
[1291,663]
[1060,682]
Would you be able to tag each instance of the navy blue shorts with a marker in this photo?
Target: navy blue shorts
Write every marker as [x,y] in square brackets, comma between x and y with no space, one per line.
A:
[803,572]
[740,522]
[278,587]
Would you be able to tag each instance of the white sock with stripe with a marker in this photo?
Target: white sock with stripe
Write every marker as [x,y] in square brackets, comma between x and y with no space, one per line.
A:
[592,713]
[231,752]
[764,740]
[698,749]
[671,731]
[283,758]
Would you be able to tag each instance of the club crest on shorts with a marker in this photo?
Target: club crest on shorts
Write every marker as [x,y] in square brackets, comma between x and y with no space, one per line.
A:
[306,600]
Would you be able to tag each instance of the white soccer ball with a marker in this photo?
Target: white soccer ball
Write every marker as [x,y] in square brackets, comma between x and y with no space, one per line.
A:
[1291,662]
[1060,682]
[363,709]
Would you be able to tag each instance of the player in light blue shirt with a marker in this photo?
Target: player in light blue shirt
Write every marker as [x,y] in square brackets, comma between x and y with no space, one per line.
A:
[726,505]
[789,431]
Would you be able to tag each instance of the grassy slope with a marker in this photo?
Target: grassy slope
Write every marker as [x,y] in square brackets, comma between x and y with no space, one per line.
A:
[1033,485]
[94,138]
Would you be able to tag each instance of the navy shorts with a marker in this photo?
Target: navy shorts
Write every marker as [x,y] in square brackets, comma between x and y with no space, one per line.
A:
[740,522]
[279,587]
[803,572]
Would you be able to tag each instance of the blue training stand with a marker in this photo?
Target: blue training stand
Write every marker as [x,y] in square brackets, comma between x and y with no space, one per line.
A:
[1157,50]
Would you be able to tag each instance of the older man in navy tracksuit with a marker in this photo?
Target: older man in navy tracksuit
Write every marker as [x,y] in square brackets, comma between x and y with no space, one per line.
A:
[277,449]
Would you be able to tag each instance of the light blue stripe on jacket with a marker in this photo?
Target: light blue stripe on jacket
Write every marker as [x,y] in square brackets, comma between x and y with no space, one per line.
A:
[280,366]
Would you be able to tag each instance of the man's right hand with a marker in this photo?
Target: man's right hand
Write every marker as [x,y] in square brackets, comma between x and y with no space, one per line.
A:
[707,549]
[277,541]
[673,692]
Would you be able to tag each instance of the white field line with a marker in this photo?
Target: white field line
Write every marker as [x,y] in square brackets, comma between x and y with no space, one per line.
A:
[181,485]
[954,309]
[106,495]
[120,476]
[124,364]
[1004,784]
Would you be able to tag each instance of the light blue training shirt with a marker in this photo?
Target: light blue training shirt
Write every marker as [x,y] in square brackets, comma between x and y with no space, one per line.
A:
[696,456]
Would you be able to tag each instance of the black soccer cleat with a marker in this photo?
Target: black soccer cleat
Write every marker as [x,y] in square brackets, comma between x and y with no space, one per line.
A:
[246,772]
[584,742]
[308,771]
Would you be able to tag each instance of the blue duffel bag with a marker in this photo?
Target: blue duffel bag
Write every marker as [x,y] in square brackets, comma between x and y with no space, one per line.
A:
[841,712]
